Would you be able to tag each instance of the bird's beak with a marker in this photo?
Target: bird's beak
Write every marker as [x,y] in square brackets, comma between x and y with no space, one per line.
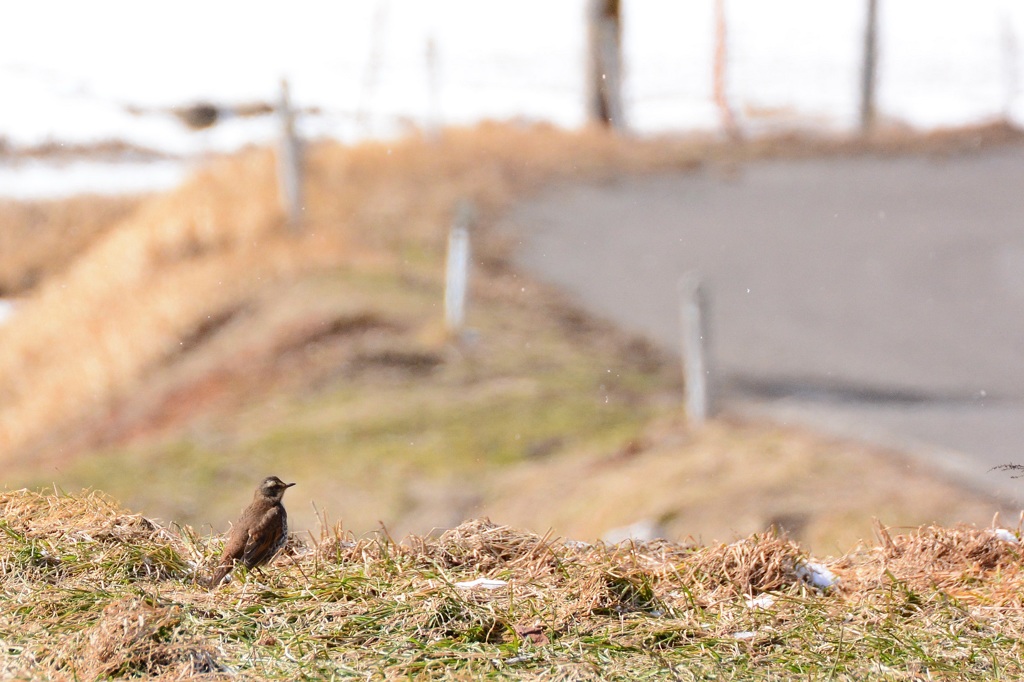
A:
[288,485]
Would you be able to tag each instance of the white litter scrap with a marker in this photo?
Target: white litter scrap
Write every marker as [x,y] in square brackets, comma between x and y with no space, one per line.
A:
[483,583]
[1005,536]
[816,575]
[764,601]
[744,634]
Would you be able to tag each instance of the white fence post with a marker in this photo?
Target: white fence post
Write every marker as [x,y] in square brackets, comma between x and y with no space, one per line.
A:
[457,268]
[289,162]
[696,365]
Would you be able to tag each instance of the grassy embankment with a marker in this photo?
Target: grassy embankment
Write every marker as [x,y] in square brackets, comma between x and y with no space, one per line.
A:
[91,591]
[184,345]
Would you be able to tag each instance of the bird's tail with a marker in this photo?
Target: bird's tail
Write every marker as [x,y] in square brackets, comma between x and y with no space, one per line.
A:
[220,574]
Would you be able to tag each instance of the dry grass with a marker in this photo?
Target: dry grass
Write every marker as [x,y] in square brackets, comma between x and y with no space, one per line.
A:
[242,347]
[187,256]
[40,239]
[315,348]
[731,479]
[94,591]
[89,333]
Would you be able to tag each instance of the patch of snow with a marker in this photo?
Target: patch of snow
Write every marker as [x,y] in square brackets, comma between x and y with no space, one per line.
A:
[483,583]
[361,70]
[1005,536]
[816,575]
[34,179]
[364,65]
[6,310]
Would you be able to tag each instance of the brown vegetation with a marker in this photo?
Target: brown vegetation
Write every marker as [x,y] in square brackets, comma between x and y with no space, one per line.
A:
[173,311]
[148,276]
[152,280]
[95,591]
[40,239]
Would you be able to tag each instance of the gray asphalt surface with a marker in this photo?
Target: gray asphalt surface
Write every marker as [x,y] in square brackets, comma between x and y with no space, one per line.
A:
[876,298]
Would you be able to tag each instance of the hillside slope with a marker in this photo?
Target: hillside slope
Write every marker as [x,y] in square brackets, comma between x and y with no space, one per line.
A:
[195,345]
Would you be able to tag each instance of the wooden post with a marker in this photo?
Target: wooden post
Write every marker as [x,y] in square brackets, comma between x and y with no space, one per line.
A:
[721,70]
[289,162]
[868,111]
[696,366]
[457,269]
[604,63]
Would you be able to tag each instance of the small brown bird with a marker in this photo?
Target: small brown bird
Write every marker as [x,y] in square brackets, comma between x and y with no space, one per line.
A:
[261,530]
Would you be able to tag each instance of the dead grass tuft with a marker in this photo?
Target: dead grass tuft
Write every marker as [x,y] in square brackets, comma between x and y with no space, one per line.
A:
[136,638]
[485,546]
[46,516]
[74,539]
[934,557]
[759,563]
[948,549]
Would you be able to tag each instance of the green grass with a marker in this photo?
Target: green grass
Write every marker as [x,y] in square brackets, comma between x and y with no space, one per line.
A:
[349,419]
[92,591]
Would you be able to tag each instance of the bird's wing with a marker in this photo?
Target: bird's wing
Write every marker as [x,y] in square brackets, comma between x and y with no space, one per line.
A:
[234,548]
[262,537]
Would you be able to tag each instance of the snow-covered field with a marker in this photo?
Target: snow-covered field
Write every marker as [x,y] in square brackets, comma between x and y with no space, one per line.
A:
[74,72]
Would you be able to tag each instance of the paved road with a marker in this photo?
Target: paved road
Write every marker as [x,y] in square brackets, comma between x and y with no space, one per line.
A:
[875,298]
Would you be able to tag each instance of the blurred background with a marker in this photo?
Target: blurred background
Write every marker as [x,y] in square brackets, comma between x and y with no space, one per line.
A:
[378,69]
[226,251]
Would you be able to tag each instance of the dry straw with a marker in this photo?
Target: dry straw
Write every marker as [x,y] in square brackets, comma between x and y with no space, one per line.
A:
[93,591]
